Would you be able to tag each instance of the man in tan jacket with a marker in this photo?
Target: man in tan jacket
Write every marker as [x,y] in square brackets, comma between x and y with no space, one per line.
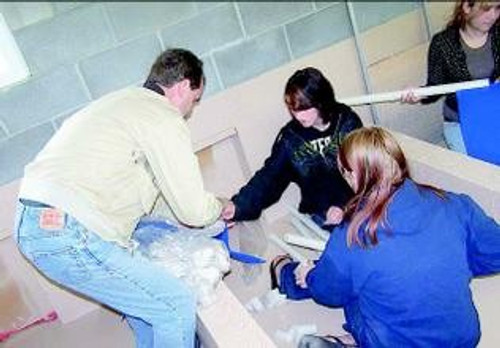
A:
[107,166]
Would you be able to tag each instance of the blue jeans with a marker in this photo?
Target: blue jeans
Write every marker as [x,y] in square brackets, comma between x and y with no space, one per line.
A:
[453,137]
[159,308]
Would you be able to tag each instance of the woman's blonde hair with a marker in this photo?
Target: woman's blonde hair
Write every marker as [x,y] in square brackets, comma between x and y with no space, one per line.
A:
[377,167]
[459,17]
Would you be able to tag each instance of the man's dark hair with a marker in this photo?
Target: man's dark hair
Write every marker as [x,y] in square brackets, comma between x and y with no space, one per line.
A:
[174,65]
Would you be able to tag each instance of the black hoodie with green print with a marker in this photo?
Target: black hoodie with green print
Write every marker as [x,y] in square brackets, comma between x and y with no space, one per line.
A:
[307,157]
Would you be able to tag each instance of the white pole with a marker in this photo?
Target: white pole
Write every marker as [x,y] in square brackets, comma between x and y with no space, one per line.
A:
[310,243]
[288,249]
[310,224]
[419,92]
[301,228]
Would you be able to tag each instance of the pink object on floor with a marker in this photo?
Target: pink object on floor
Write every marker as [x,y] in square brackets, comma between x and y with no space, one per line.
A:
[51,316]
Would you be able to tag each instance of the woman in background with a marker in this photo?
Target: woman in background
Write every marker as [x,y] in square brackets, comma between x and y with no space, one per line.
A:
[304,152]
[468,49]
[401,262]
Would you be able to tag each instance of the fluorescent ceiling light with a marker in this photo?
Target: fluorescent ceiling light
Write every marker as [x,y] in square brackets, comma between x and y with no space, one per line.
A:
[13,68]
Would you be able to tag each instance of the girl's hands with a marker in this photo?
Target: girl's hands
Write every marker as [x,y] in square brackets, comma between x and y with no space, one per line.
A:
[408,96]
[301,273]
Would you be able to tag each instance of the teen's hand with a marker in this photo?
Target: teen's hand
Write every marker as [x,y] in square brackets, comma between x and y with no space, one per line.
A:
[227,214]
[334,216]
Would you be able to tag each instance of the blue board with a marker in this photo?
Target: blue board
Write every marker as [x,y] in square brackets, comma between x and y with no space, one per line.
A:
[479,111]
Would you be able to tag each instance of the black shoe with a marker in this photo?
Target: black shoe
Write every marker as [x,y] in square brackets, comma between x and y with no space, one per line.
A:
[272,269]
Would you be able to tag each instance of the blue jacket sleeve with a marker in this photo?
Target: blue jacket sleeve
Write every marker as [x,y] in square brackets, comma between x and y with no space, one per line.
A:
[483,239]
[266,186]
[330,281]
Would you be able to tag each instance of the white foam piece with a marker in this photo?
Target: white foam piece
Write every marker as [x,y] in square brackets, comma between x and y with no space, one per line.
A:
[301,228]
[288,249]
[305,242]
[306,220]
[284,335]
[254,305]
[273,299]
[301,330]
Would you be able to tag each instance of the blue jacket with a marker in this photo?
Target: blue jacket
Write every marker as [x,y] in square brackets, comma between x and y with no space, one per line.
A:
[412,289]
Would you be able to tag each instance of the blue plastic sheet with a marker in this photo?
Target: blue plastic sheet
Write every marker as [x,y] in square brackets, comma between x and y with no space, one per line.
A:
[236,255]
[479,111]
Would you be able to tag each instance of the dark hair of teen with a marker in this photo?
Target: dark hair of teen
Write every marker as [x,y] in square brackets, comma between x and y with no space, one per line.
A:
[308,88]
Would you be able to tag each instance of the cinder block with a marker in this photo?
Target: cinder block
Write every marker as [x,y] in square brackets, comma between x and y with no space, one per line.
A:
[370,14]
[16,152]
[120,66]
[212,83]
[251,58]
[131,19]
[206,31]
[261,16]
[41,99]
[63,39]
[319,30]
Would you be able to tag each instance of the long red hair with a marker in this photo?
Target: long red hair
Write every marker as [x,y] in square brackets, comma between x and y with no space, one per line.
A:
[377,167]
[373,163]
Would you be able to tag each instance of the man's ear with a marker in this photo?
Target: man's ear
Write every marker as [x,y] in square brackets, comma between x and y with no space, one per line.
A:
[466,7]
[179,89]
[185,85]
[175,92]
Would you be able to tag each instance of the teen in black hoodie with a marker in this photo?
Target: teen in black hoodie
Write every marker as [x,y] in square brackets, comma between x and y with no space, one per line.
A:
[304,152]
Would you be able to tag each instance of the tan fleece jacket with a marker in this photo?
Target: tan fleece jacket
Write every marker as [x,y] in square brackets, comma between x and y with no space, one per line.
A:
[110,162]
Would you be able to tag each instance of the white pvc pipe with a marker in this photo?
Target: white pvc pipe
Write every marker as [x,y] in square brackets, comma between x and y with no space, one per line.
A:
[309,224]
[310,243]
[288,249]
[299,226]
[419,92]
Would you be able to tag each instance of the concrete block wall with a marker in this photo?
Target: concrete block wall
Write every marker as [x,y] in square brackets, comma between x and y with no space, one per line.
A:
[78,51]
